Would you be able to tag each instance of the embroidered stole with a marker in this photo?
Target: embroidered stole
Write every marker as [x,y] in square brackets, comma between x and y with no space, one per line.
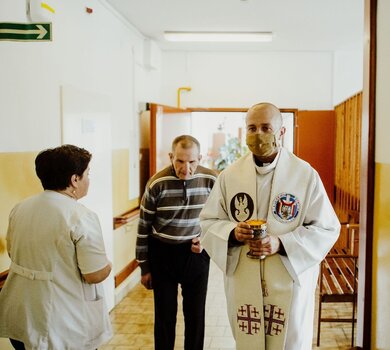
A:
[261,322]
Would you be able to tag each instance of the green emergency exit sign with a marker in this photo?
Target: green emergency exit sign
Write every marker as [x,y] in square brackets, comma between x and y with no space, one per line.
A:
[25,31]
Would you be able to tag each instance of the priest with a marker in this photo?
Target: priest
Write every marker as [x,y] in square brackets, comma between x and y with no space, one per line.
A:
[270,299]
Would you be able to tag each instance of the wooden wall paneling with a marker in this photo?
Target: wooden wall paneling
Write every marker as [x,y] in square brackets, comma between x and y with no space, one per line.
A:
[347,154]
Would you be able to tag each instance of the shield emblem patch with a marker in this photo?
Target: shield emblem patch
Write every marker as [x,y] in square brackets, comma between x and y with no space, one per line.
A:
[285,207]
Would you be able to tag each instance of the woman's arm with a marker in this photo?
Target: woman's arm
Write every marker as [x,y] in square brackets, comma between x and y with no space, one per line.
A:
[98,276]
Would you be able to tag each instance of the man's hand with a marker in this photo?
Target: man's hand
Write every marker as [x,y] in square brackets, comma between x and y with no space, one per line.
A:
[269,245]
[243,232]
[146,280]
[195,246]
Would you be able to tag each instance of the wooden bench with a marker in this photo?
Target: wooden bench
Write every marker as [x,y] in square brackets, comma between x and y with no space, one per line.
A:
[338,281]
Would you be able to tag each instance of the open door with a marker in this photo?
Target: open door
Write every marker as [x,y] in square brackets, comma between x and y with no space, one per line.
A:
[159,126]
[220,131]
[315,143]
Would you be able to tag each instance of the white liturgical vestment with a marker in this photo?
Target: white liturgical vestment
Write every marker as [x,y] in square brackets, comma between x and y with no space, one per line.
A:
[289,194]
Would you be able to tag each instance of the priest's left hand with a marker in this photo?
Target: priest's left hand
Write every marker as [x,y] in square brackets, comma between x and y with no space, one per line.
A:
[269,245]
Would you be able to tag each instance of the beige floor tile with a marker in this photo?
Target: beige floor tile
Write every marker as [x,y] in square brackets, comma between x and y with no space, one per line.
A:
[143,341]
[207,341]
[215,331]
[211,320]
[133,321]
[222,342]
[107,347]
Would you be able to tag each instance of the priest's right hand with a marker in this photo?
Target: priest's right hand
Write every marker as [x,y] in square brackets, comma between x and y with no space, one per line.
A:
[243,232]
[146,280]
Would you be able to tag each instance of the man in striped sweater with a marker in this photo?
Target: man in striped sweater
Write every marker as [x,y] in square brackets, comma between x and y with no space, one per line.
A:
[168,247]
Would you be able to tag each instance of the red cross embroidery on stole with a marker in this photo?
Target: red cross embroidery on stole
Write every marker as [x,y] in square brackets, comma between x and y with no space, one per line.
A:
[274,319]
[248,319]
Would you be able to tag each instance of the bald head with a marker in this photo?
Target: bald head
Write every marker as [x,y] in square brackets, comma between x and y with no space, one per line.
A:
[266,114]
[264,131]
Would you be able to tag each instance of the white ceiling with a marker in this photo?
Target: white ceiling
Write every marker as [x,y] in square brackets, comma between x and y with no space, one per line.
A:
[298,25]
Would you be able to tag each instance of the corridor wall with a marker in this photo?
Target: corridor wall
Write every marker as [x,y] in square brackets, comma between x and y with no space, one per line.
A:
[97,52]
[300,80]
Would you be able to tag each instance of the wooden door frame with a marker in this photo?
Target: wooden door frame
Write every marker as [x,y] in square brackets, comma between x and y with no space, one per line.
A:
[156,108]
[367,178]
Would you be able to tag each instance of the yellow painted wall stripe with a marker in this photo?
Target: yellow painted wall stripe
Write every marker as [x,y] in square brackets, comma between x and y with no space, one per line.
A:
[47,7]
[17,182]
[381,259]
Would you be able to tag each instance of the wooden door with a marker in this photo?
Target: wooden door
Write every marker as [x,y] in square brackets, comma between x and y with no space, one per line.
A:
[159,125]
[315,143]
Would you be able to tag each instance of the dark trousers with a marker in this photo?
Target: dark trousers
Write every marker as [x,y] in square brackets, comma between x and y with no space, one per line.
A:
[18,345]
[172,265]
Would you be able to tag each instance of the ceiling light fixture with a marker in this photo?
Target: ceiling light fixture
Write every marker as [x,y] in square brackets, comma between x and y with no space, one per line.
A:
[219,36]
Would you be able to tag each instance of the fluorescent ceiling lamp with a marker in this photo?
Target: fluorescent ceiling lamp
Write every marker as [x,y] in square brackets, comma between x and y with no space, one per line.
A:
[219,36]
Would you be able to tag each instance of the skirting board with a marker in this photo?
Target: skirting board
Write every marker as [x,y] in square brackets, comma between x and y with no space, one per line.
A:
[127,285]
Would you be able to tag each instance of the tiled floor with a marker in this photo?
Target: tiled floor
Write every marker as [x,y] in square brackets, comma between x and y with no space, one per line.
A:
[132,320]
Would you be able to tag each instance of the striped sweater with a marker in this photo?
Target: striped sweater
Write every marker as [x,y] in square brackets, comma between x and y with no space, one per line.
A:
[170,209]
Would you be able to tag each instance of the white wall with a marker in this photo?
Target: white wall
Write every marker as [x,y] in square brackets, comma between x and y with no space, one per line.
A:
[303,80]
[348,74]
[99,54]
[95,52]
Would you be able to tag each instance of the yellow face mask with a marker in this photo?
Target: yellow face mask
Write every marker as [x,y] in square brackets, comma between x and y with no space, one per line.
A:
[262,145]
